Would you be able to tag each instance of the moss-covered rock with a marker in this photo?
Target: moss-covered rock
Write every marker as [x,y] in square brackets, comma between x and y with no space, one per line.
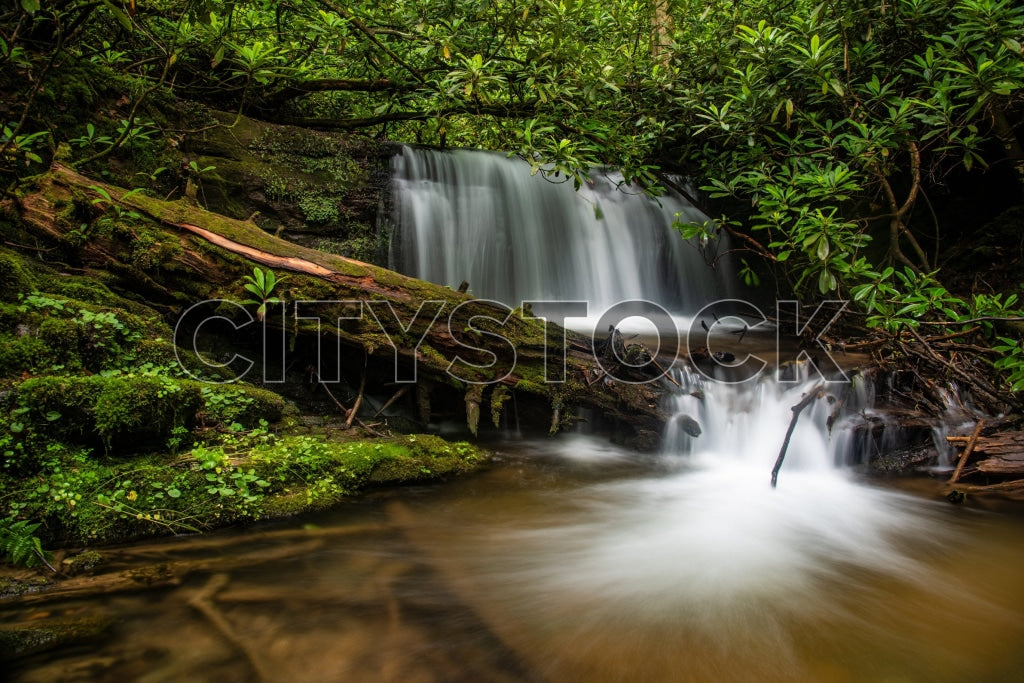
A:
[418,457]
[15,277]
[137,411]
[318,189]
[122,411]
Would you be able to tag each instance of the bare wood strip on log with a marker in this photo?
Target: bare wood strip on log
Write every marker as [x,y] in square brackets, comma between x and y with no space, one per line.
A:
[967,451]
[797,409]
[286,262]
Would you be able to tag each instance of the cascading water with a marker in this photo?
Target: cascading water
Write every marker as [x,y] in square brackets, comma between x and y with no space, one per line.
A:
[691,567]
[692,552]
[481,217]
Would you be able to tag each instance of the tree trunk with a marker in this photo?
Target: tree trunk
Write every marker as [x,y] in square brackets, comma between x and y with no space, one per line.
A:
[210,253]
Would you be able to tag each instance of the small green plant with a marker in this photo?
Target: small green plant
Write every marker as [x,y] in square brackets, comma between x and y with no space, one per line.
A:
[91,139]
[177,438]
[131,131]
[105,201]
[1012,362]
[262,284]
[194,167]
[20,546]
[109,57]
[20,148]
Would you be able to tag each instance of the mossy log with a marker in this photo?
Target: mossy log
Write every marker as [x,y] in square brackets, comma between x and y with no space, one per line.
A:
[205,255]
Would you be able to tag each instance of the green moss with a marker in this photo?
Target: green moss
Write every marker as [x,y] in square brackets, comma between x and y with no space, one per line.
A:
[83,562]
[416,457]
[498,398]
[119,410]
[24,354]
[530,387]
[15,277]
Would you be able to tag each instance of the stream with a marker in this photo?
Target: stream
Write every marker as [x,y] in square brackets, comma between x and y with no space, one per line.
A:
[573,560]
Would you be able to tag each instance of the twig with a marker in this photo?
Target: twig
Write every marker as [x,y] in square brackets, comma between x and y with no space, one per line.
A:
[25,246]
[665,373]
[344,410]
[359,398]
[341,406]
[971,381]
[797,409]
[397,395]
[967,451]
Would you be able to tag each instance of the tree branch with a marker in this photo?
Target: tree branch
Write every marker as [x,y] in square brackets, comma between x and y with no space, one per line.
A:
[370,33]
[334,84]
[501,111]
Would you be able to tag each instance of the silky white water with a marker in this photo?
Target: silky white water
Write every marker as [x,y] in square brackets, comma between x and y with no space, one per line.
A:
[481,217]
[707,531]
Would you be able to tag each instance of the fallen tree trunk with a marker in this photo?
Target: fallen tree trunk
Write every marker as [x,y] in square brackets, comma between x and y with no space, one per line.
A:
[208,254]
[1000,454]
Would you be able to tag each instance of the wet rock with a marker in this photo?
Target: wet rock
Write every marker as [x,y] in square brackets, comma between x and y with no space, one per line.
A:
[82,563]
[688,425]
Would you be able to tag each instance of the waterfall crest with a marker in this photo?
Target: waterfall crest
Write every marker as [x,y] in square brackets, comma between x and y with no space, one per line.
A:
[481,217]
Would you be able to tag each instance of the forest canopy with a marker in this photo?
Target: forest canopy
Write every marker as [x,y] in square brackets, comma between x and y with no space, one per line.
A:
[827,138]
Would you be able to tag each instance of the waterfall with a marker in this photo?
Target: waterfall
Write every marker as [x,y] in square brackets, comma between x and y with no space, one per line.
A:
[706,538]
[481,217]
[745,424]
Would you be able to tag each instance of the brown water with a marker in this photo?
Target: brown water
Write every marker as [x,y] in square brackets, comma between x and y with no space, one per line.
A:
[572,561]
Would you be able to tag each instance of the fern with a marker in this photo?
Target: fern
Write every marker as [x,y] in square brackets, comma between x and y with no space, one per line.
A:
[21,547]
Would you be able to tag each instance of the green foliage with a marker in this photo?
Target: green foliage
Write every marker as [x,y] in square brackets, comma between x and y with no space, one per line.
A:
[319,209]
[850,118]
[1012,362]
[262,284]
[20,546]
[20,149]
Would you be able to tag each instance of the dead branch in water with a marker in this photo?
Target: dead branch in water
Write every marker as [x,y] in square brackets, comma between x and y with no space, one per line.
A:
[971,443]
[797,409]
